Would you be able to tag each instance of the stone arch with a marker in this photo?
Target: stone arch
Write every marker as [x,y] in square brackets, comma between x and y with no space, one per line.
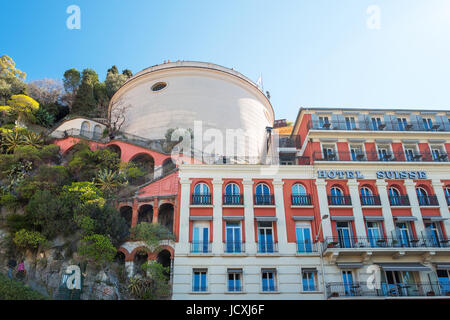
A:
[165,215]
[145,213]
[144,161]
[139,258]
[164,258]
[115,148]
[120,257]
[126,212]
[126,253]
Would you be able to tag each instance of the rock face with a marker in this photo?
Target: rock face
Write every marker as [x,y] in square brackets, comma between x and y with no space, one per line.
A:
[45,274]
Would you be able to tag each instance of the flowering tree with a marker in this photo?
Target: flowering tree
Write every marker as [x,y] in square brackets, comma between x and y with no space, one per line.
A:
[21,107]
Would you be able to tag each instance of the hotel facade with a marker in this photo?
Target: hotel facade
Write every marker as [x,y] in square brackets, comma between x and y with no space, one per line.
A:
[352,204]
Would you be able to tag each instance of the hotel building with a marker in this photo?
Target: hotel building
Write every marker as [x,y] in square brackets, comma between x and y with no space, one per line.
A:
[353,203]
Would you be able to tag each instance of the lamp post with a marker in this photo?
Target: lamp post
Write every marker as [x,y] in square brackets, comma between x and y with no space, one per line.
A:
[324,217]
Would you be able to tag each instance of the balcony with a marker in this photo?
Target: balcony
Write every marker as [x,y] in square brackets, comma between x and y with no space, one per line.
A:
[339,200]
[396,156]
[307,247]
[427,200]
[289,141]
[409,289]
[267,247]
[368,125]
[384,242]
[370,200]
[398,201]
[234,247]
[233,199]
[264,199]
[201,247]
[301,200]
[201,199]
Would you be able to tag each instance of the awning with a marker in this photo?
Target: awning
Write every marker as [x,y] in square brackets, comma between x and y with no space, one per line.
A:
[349,265]
[269,219]
[342,218]
[435,219]
[202,218]
[406,218]
[403,267]
[303,218]
[374,218]
[443,266]
[233,218]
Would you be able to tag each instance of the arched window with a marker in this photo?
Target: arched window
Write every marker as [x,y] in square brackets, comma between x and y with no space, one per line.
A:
[201,194]
[337,196]
[97,132]
[232,194]
[422,196]
[85,126]
[396,199]
[299,195]
[366,196]
[263,196]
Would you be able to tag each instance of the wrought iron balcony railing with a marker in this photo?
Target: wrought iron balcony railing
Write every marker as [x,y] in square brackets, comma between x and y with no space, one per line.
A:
[301,200]
[264,199]
[428,200]
[369,125]
[267,247]
[396,201]
[385,289]
[396,156]
[234,247]
[201,199]
[385,242]
[344,200]
[307,247]
[200,247]
[233,199]
[370,200]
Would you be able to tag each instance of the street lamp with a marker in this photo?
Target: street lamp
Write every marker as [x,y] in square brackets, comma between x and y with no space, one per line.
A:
[324,217]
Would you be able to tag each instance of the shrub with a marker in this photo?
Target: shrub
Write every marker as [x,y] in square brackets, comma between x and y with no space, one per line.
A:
[97,249]
[16,222]
[150,233]
[25,239]
[15,290]
[9,201]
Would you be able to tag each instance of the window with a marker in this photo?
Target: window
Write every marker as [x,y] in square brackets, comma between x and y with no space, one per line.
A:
[268,280]
[404,233]
[377,124]
[309,277]
[159,86]
[232,194]
[234,280]
[201,194]
[324,123]
[343,230]
[299,196]
[265,237]
[350,123]
[447,195]
[329,152]
[444,280]
[337,196]
[428,124]
[356,153]
[200,237]
[304,238]
[434,234]
[263,196]
[402,124]
[422,196]
[411,153]
[384,153]
[375,233]
[233,237]
[395,198]
[199,280]
[366,196]
[347,277]
[438,153]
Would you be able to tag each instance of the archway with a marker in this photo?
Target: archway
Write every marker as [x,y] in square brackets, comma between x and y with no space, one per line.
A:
[120,258]
[165,216]
[145,213]
[115,148]
[97,132]
[140,258]
[167,166]
[85,126]
[145,162]
[164,258]
[126,212]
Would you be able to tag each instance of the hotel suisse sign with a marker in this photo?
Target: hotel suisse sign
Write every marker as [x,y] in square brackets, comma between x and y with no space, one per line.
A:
[349,174]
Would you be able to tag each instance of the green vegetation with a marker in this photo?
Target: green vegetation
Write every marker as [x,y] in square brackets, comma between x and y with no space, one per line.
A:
[16,290]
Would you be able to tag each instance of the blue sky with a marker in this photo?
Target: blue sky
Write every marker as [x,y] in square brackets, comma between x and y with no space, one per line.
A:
[310,53]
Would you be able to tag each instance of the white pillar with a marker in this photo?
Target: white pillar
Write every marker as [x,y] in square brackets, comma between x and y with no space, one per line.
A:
[217,243]
[250,244]
[415,208]
[183,238]
[357,210]
[281,216]
[323,206]
[438,187]
[389,225]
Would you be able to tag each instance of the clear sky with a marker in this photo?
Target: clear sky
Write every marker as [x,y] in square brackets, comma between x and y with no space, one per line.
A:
[310,53]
